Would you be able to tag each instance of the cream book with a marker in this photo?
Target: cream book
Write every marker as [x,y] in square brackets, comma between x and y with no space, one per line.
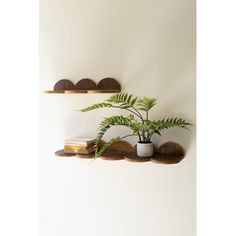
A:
[79,141]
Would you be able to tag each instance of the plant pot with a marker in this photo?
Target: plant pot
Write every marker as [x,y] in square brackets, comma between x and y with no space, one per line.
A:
[144,149]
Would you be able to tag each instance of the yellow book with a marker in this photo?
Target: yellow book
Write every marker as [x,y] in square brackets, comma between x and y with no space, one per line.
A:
[78,149]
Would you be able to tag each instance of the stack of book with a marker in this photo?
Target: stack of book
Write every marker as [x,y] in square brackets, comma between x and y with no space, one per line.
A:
[79,145]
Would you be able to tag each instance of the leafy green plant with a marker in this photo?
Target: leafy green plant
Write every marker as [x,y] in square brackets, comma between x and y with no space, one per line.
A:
[138,120]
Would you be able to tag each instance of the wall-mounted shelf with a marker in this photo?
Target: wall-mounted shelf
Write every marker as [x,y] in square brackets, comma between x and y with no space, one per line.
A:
[81,91]
[167,153]
[106,85]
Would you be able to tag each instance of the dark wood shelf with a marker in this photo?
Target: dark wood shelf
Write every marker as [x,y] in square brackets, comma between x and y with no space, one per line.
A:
[80,91]
[106,85]
[167,153]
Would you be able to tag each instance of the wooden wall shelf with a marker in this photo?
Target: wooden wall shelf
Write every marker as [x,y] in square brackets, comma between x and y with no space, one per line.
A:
[106,85]
[167,153]
[79,91]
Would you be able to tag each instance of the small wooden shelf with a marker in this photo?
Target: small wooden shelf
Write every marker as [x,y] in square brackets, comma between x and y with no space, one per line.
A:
[106,85]
[81,91]
[167,153]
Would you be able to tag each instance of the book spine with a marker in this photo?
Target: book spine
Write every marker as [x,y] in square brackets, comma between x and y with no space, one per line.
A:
[79,148]
[78,144]
[79,152]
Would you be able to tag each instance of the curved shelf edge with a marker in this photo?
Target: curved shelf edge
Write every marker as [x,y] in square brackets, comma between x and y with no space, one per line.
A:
[167,159]
[54,91]
[135,158]
[61,153]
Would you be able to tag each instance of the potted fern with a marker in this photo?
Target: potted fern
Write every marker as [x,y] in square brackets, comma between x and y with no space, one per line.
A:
[138,121]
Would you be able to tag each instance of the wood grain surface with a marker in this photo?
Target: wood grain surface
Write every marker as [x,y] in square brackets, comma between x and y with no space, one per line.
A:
[64,84]
[62,153]
[108,84]
[117,150]
[54,91]
[75,91]
[168,153]
[86,84]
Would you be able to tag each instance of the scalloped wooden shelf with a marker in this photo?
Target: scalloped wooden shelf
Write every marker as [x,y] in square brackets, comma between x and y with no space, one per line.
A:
[54,91]
[167,153]
[81,91]
[106,85]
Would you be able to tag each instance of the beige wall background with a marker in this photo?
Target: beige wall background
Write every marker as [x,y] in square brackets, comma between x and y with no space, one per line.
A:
[149,46]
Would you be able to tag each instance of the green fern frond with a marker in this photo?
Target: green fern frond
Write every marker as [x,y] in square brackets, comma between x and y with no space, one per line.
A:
[169,123]
[145,104]
[117,120]
[100,134]
[106,146]
[96,106]
[124,99]
[109,122]
[144,127]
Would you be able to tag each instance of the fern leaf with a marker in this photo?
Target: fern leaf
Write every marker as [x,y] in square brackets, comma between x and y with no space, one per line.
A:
[133,101]
[145,104]
[109,122]
[129,98]
[96,106]
[123,98]
[106,146]
[125,107]
[169,123]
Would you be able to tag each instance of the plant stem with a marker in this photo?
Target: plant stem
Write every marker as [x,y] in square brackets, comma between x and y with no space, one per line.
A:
[140,140]
[132,135]
[138,115]
[128,136]
[143,135]
[150,136]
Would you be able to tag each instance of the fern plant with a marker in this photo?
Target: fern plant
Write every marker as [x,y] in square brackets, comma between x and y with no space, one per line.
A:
[138,120]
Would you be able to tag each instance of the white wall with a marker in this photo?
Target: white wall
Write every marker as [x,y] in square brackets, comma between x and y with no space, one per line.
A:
[149,46]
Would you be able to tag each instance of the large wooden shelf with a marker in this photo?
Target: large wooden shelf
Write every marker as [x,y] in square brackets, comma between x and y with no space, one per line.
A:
[167,153]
